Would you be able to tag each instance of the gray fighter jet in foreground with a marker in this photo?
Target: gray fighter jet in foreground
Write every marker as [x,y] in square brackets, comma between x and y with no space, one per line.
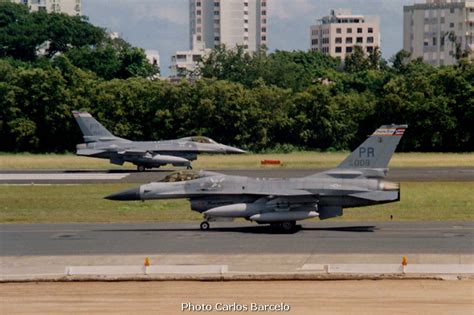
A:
[356,182]
[101,143]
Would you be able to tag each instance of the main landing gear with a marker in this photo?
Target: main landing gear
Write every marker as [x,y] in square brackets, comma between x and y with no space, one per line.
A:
[141,168]
[205,226]
[287,226]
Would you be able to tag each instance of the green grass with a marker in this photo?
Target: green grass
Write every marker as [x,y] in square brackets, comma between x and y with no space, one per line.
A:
[433,201]
[291,160]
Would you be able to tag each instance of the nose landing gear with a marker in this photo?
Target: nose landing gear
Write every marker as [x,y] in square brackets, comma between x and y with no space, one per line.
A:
[205,226]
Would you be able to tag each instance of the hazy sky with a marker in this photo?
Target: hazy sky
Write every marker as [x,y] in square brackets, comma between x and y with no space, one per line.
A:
[164,24]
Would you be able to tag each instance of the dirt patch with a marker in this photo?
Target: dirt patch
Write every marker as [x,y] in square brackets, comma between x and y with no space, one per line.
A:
[303,297]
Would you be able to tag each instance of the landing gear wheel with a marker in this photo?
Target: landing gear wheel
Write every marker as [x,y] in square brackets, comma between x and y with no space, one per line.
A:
[141,168]
[205,226]
[189,167]
[288,226]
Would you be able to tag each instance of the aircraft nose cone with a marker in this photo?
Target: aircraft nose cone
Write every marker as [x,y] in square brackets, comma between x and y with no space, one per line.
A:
[232,150]
[125,195]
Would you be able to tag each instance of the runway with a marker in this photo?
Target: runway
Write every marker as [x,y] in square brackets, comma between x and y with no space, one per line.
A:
[237,238]
[130,176]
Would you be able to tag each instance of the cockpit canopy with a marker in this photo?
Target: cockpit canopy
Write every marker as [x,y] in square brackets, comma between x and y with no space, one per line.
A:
[181,176]
[199,139]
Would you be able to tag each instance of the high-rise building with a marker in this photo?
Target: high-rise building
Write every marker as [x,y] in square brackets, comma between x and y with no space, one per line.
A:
[338,33]
[432,30]
[229,22]
[70,7]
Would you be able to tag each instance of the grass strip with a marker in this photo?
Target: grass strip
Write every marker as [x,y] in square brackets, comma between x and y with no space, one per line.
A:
[290,160]
[433,201]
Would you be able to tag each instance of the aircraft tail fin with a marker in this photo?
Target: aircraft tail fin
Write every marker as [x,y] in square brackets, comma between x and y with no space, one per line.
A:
[377,150]
[91,129]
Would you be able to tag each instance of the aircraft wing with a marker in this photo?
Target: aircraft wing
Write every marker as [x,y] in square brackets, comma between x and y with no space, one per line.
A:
[133,152]
[88,152]
[290,202]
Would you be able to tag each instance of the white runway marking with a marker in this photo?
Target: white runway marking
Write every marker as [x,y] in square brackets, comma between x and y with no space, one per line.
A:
[71,176]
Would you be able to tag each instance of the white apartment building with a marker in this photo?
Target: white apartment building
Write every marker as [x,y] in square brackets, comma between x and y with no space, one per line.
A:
[183,63]
[426,27]
[153,56]
[338,33]
[229,22]
[70,7]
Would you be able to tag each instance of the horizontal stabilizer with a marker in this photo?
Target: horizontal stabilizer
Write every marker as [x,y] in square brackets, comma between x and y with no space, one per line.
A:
[354,173]
[88,139]
[378,196]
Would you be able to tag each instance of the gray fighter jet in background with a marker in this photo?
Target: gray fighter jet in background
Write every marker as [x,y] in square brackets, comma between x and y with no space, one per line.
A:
[356,182]
[101,143]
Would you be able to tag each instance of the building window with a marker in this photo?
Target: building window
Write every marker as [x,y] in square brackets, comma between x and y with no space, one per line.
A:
[370,40]
[359,30]
[198,4]
[338,40]
[264,38]
[196,58]
[314,42]
[370,30]
[348,40]
[217,38]
[264,29]
[246,30]
[451,25]
[451,10]
[359,40]
[198,12]
[217,4]
[338,49]
[370,49]
[434,41]
[264,4]
[349,31]
[246,38]
[199,37]
[246,4]
[216,12]
[426,43]
[348,49]
[246,21]
[338,30]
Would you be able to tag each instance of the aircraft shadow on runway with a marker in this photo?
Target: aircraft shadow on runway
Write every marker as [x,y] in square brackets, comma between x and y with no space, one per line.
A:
[254,229]
[119,171]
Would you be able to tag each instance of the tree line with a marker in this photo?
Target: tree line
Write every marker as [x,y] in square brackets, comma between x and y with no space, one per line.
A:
[279,101]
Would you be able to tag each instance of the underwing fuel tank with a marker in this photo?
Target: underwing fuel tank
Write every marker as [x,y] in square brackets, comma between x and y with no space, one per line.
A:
[169,159]
[284,216]
[236,210]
